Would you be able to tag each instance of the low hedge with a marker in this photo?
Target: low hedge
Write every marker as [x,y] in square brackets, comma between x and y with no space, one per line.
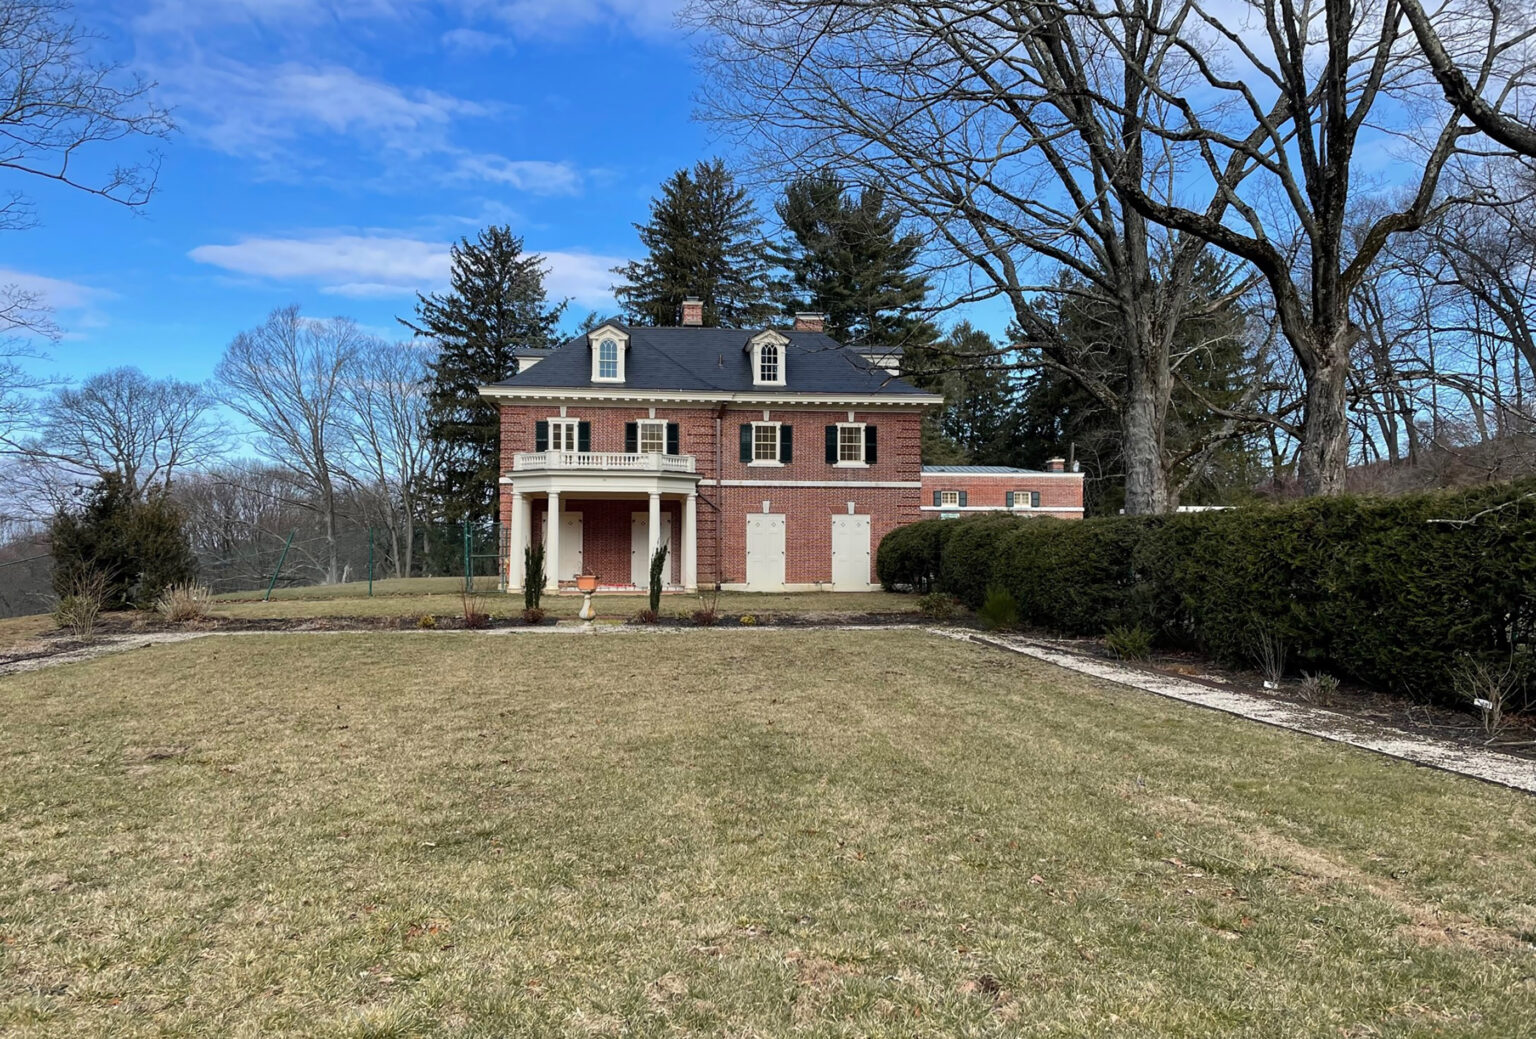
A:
[1366,588]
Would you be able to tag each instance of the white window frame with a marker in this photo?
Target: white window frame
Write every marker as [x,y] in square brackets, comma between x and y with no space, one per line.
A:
[764,378]
[651,424]
[597,339]
[563,429]
[1023,499]
[949,499]
[863,442]
[778,444]
[781,344]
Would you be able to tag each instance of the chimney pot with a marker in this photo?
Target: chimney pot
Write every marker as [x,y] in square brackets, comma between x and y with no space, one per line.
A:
[805,322]
[693,312]
[1055,465]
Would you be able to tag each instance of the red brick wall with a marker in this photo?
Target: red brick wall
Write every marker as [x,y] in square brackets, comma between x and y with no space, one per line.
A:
[723,511]
[991,491]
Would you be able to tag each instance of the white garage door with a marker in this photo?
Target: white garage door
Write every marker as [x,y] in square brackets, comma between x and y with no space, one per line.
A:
[850,553]
[640,548]
[765,553]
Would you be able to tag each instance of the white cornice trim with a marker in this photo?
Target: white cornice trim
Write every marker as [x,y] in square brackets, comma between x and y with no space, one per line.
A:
[866,484]
[1019,478]
[756,399]
[1000,508]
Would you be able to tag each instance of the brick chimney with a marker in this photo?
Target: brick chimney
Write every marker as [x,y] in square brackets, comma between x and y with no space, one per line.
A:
[1055,465]
[693,312]
[810,322]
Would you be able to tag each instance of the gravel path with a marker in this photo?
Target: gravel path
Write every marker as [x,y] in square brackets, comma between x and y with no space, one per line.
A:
[1488,765]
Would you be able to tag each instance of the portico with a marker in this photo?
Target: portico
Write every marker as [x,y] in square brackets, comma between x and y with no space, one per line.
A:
[577,488]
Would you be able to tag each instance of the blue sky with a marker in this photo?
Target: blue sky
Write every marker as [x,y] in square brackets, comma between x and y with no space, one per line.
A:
[329,151]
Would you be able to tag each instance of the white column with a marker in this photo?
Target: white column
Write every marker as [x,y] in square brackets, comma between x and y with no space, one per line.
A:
[691,543]
[655,533]
[517,540]
[552,544]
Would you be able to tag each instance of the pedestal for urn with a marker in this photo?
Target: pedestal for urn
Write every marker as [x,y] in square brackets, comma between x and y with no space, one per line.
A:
[586,584]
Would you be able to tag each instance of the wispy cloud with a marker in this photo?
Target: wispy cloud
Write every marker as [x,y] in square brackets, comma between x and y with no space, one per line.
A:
[464,40]
[58,293]
[536,177]
[390,266]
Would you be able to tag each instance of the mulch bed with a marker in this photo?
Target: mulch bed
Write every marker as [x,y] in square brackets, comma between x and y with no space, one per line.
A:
[1435,721]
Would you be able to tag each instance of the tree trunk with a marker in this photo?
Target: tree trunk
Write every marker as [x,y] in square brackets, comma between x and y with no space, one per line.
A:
[1325,428]
[1147,391]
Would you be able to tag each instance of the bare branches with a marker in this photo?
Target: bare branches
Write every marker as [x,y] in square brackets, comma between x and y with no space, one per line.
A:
[57,105]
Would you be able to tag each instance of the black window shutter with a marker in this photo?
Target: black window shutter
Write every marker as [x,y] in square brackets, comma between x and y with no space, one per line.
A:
[583,436]
[746,441]
[1010,499]
[831,445]
[631,437]
[871,455]
[786,443]
[541,435]
[938,497]
[674,439]
[1034,499]
[962,499]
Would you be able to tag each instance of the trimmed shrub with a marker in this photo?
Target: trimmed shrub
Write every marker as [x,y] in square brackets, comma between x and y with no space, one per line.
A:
[1387,592]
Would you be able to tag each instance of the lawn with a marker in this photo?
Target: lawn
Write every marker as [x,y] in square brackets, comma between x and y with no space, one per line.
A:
[443,596]
[696,833]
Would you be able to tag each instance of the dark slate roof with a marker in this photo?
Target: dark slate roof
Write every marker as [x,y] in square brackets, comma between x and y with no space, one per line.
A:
[980,470]
[715,359]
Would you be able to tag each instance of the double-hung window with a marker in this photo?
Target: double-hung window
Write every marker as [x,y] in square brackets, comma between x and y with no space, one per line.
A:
[765,442]
[652,438]
[1024,499]
[949,499]
[768,363]
[850,443]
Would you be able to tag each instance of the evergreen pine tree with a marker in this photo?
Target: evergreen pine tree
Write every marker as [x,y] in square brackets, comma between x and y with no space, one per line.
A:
[980,419]
[702,240]
[495,306]
[847,259]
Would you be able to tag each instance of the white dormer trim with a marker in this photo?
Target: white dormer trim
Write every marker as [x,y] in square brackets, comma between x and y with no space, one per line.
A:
[775,344]
[614,341]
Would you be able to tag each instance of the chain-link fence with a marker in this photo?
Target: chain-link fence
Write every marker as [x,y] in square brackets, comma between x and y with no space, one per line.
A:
[360,557]
[363,555]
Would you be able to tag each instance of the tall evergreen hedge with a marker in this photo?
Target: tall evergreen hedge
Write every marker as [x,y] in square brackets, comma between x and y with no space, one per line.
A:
[1374,589]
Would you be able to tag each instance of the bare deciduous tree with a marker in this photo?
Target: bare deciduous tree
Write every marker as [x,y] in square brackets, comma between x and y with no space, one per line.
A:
[121,421]
[60,103]
[1003,130]
[288,378]
[386,399]
[1340,70]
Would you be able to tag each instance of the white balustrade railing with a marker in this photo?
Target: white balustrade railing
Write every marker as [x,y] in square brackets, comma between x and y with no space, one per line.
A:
[603,461]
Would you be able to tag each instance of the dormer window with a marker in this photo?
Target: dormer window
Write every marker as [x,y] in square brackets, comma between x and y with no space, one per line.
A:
[608,344]
[768,363]
[768,360]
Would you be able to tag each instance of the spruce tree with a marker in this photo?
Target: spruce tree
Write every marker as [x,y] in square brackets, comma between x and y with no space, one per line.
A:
[702,240]
[847,259]
[495,306]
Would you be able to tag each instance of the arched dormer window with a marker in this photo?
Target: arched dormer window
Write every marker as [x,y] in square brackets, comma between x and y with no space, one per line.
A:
[768,358]
[768,363]
[608,344]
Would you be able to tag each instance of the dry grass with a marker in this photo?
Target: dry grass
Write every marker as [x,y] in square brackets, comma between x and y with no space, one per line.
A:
[408,600]
[656,834]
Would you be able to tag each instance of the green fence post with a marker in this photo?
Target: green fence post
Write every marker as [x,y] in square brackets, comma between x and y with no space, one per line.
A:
[469,575]
[370,562]
[280,560]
